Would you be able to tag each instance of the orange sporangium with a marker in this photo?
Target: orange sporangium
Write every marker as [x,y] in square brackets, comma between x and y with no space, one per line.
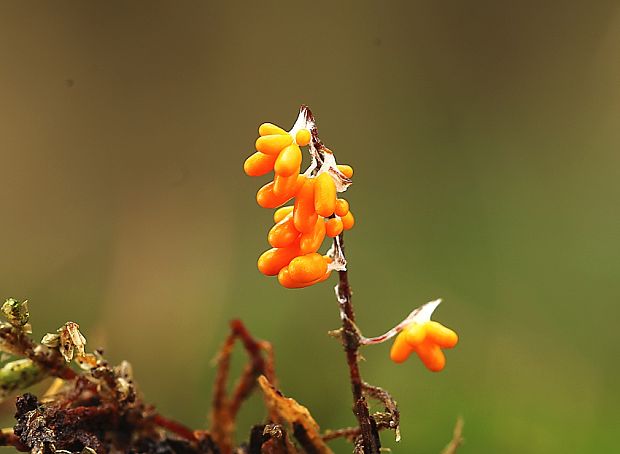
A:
[312,241]
[325,195]
[304,215]
[424,337]
[284,233]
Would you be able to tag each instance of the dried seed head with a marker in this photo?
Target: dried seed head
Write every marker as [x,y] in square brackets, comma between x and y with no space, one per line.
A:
[71,341]
[125,371]
[124,381]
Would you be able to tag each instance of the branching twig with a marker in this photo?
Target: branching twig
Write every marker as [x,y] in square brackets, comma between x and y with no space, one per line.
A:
[225,408]
[391,420]
[254,368]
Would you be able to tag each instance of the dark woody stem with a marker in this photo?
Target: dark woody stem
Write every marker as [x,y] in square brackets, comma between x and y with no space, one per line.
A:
[371,443]
[367,441]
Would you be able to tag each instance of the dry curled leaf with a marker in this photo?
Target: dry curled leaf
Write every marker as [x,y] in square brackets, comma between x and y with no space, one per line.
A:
[294,414]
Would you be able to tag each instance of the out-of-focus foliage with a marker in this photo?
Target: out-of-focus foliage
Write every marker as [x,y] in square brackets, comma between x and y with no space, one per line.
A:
[484,137]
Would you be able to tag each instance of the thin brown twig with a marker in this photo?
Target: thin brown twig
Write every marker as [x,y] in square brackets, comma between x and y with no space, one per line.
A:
[350,336]
[270,362]
[392,420]
[174,427]
[457,438]
[348,433]
[247,381]
[8,438]
[222,425]
[370,441]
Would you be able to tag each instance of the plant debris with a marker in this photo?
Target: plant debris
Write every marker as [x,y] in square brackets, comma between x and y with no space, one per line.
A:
[97,408]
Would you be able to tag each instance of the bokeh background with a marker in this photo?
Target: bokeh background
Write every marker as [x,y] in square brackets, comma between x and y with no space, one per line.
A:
[485,139]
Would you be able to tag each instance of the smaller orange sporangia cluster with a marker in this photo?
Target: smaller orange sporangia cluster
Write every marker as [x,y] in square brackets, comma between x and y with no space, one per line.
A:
[300,229]
[426,338]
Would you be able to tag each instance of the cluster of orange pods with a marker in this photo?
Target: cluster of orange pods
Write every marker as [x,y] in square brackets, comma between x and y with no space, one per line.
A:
[426,339]
[317,211]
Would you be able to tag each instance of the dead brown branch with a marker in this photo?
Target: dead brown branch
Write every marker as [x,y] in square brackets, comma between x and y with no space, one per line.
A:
[225,408]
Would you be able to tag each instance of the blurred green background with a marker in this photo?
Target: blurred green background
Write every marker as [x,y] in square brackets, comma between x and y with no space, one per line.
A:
[485,139]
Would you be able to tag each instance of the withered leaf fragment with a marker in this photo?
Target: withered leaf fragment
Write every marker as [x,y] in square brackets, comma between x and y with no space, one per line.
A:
[51,340]
[294,414]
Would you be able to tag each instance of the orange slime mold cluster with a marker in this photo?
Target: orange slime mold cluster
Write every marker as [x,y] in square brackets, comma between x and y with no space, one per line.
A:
[317,212]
